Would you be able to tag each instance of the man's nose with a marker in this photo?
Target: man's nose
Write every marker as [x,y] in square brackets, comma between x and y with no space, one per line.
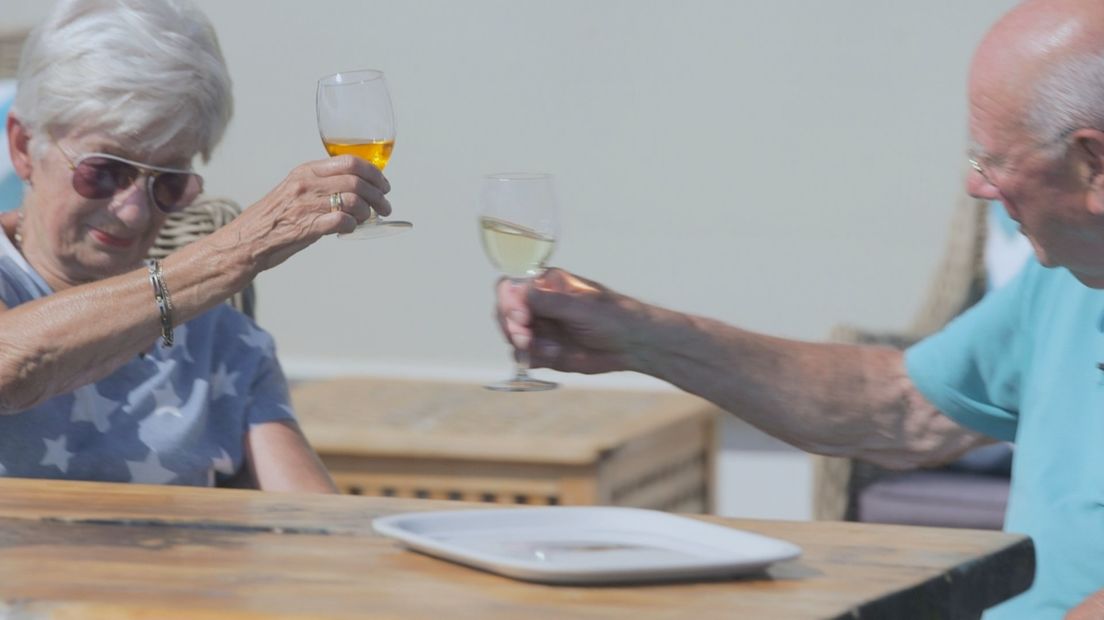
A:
[979,187]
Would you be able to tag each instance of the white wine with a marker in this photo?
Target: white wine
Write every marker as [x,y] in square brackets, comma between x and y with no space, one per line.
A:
[517,251]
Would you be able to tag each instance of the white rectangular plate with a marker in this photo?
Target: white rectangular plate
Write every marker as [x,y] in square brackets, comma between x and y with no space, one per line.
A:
[586,545]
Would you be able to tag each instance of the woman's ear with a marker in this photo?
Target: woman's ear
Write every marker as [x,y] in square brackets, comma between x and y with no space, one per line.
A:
[19,147]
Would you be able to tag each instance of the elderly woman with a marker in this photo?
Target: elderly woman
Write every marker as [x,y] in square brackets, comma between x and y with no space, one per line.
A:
[112,367]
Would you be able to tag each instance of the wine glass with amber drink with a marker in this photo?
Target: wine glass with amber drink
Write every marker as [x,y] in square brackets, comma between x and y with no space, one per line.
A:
[519,225]
[355,117]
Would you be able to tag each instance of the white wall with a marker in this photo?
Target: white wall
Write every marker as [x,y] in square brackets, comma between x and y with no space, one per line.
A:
[784,165]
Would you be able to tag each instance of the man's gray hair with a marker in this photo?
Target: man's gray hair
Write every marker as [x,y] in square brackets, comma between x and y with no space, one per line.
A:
[146,71]
[1070,97]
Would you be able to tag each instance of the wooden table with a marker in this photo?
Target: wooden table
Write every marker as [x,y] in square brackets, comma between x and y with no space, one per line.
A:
[127,552]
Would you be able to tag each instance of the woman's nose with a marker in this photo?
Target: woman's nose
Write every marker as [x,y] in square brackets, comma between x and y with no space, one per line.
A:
[133,205]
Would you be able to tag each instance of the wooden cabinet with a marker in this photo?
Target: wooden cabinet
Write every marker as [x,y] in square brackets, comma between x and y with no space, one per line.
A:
[569,446]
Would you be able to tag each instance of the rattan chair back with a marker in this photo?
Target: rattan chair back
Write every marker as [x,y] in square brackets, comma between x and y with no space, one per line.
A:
[203,217]
[11,44]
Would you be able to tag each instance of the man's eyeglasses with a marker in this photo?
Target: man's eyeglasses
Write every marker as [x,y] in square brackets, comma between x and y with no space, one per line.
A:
[983,164]
[980,163]
[975,163]
[98,176]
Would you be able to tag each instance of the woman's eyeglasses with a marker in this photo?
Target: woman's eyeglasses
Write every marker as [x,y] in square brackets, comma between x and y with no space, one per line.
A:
[98,176]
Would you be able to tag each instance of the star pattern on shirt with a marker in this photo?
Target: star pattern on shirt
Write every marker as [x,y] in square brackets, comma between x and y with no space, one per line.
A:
[164,366]
[166,402]
[149,471]
[170,415]
[89,406]
[222,463]
[222,383]
[255,338]
[57,454]
[180,336]
[164,370]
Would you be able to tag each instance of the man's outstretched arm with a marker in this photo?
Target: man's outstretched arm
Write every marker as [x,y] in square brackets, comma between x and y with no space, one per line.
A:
[833,399]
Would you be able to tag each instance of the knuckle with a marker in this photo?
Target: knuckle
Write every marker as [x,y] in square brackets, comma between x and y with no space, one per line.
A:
[345,164]
[296,186]
[370,195]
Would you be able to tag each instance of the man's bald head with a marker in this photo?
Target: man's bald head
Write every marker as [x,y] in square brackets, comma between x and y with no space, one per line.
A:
[1044,63]
[1037,126]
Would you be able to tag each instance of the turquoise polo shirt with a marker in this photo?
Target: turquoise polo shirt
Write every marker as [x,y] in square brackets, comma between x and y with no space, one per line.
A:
[1022,366]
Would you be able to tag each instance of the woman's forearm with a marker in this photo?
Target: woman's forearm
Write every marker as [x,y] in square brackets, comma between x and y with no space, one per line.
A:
[58,343]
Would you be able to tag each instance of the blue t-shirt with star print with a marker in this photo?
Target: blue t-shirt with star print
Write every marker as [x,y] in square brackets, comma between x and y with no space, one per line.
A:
[1022,366]
[177,415]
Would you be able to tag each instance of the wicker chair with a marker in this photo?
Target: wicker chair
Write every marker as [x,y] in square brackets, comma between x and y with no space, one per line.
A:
[11,43]
[203,217]
[959,283]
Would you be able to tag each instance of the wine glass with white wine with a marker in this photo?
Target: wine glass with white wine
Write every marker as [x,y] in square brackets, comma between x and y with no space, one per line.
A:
[355,117]
[519,226]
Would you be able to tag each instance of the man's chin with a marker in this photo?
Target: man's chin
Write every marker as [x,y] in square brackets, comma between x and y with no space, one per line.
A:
[1091,281]
[1041,255]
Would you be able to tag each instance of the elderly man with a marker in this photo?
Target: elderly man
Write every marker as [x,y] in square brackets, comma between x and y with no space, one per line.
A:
[1023,366]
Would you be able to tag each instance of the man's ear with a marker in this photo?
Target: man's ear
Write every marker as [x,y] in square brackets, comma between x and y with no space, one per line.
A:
[19,147]
[1090,159]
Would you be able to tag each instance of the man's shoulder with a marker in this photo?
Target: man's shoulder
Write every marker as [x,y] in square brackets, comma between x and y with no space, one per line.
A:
[1056,293]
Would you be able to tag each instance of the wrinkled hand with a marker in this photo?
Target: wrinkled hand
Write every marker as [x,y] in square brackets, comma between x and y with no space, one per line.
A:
[298,212]
[1091,608]
[568,323]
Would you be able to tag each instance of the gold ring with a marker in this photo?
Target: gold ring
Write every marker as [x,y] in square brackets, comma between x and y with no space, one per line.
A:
[336,203]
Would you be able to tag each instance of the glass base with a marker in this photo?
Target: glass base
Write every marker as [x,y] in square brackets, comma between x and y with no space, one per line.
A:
[377,229]
[517,384]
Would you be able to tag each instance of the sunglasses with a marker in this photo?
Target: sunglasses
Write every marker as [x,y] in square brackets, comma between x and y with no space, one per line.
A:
[98,176]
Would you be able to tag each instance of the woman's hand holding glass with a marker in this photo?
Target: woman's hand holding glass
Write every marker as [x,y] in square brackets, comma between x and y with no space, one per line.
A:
[317,198]
[355,117]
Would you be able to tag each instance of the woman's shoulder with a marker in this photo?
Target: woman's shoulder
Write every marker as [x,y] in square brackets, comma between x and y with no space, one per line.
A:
[19,283]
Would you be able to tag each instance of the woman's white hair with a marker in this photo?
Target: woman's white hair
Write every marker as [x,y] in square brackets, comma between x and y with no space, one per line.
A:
[1069,97]
[146,71]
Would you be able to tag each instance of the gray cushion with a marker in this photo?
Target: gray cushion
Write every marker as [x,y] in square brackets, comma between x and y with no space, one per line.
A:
[993,459]
[938,498]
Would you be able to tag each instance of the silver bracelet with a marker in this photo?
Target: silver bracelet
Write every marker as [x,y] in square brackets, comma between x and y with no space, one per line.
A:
[164,302]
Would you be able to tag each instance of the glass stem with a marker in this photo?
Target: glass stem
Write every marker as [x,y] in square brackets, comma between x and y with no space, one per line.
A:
[521,358]
[521,367]
[373,217]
